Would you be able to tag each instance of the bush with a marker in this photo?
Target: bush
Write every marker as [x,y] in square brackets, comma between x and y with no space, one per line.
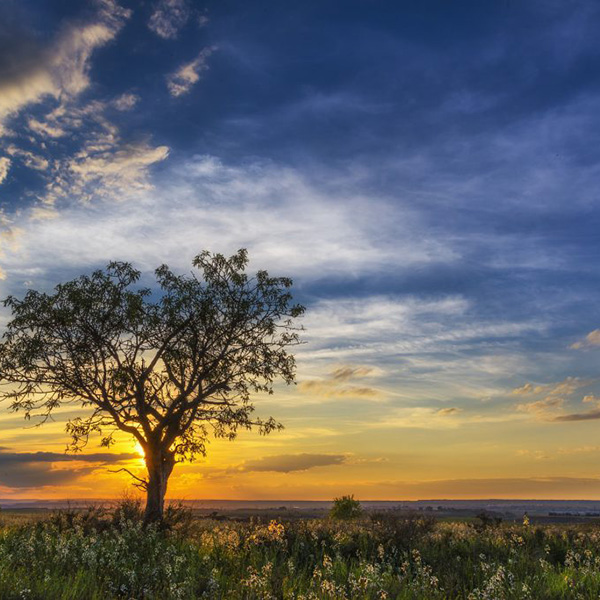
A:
[346,507]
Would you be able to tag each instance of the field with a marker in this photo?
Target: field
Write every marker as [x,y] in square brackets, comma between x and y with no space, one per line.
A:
[92,554]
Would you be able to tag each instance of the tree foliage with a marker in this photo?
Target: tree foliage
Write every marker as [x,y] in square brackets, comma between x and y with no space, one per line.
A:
[168,366]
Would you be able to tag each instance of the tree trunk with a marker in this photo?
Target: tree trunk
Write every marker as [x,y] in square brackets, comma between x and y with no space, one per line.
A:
[160,464]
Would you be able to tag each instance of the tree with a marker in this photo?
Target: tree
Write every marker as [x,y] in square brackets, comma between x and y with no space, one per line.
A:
[346,507]
[168,368]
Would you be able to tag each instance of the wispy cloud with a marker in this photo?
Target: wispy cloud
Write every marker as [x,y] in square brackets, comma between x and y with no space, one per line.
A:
[551,406]
[561,388]
[545,409]
[168,17]
[289,224]
[187,75]
[535,454]
[126,101]
[4,168]
[114,170]
[579,450]
[28,158]
[60,70]
[591,339]
[335,385]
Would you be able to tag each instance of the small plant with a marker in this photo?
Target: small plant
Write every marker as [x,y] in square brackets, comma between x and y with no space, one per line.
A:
[346,507]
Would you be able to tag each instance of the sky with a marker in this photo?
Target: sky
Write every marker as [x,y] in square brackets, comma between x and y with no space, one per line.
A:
[426,172]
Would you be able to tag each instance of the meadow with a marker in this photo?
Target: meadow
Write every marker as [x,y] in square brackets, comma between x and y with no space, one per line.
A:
[92,554]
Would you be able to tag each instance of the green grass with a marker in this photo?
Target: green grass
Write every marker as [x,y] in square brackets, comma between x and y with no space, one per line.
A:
[89,555]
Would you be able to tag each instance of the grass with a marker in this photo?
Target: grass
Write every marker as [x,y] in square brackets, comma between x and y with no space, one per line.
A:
[94,555]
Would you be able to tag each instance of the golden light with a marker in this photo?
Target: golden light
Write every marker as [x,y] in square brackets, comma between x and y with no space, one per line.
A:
[138,448]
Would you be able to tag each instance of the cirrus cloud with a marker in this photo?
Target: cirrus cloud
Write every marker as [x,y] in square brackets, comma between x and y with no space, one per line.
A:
[187,75]
[60,69]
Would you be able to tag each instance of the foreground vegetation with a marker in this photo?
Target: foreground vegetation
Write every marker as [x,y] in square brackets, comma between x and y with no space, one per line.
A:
[91,555]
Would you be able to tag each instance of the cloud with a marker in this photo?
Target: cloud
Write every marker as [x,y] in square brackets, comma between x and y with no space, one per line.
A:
[290,224]
[590,340]
[40,469]
[535,454]
[591,415]
[415,335]
[45,129]
[545,409]
[4,167]
[334,385]
[109,169]
[429,418]
[94,163]
[45,457]
[78,152]
[347,372]
[288,463]
[450,410]
[548,408]
[579,450]
[185,77]
[126,101]
[168,17]
[28,158]
[561,388]
[61,69]
[322,390]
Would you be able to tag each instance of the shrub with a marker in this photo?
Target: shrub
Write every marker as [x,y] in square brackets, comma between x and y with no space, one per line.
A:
[346,507]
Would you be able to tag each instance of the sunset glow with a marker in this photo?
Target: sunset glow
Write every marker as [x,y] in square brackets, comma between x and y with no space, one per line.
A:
[428,178]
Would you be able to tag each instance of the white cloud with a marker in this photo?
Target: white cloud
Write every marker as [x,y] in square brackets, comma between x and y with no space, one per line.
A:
[566,387]
[168,17]
[126,101]
[591,339]
[341,384]
[546,409]
[62,69]
[290,224]
[29,159]
[45,128]
[4,167]
[117,171]
[293,223]
[185,77]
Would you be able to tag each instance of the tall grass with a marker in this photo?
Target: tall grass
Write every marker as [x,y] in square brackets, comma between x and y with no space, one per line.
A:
[90,555]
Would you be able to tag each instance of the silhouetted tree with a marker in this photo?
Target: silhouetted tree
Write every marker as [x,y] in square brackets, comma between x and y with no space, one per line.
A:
[166,367]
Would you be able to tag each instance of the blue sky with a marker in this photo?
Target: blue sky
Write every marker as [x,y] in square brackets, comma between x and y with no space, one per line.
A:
[426,172]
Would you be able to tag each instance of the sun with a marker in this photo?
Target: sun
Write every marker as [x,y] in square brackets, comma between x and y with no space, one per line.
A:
[139,450]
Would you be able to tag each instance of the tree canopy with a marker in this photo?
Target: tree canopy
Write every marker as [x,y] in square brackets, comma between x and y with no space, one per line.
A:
[169,366]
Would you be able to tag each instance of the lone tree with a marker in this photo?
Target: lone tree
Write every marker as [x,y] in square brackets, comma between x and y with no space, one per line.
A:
[169,368]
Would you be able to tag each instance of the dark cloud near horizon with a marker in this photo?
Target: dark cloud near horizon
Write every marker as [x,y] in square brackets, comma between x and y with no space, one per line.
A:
[35,469]
[37,457]
[288,463]
[592,415]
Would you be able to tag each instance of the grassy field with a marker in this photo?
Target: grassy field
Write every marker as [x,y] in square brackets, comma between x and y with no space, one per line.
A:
[95,555]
